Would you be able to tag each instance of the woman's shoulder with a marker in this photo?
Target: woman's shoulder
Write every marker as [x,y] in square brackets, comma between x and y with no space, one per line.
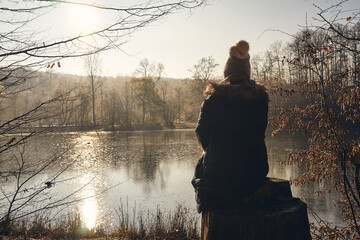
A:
[247,90]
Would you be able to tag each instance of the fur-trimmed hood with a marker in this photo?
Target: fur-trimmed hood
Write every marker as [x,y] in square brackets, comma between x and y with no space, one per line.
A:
[247,90]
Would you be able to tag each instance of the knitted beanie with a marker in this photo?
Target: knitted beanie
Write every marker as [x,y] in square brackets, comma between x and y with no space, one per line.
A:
[237,67]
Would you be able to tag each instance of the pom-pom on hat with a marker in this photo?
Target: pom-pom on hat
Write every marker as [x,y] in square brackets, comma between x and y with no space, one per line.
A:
[240,50]
[237,67]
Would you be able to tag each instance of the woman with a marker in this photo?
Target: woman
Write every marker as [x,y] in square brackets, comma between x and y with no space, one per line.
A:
[231,130]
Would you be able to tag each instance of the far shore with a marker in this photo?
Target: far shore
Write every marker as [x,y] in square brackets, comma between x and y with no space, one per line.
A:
[156,126]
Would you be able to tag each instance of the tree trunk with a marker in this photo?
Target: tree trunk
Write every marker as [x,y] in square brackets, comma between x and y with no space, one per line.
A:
[93,100]
[143,113]
[270,213]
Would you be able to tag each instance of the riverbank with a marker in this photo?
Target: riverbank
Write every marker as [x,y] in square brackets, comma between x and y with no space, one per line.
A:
[87,128]
[176,225]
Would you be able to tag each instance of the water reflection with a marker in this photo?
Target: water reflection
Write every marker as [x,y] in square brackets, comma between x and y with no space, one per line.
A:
[86,156]
[154,168]
[279,149]
[148,170]
[89,209]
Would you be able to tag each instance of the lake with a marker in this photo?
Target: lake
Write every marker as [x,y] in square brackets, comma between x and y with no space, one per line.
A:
[145,170]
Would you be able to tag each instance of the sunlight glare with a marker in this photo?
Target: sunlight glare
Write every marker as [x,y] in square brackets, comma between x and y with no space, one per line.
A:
[89,206]
[85,147]
[89,212]
[84,19]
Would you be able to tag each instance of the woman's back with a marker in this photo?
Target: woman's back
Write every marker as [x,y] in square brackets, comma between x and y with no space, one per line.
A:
[231,130]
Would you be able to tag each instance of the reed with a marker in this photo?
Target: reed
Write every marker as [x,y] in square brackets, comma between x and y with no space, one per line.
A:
[132,224]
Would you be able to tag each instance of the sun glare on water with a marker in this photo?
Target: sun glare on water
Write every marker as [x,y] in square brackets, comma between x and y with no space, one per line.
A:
[89,204]
[89,211]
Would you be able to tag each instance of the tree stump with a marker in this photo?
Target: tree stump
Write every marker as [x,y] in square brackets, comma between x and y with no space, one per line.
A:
[269,213]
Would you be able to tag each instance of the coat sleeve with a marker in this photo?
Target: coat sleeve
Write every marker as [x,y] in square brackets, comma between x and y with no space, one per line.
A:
[204,125]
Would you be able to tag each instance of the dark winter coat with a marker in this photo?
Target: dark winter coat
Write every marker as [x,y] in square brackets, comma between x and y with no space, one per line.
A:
[231,130]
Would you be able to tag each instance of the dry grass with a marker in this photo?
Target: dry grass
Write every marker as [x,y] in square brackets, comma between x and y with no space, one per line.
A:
[179,224]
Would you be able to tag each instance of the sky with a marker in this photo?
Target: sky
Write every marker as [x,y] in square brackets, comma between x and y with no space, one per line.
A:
[180,40]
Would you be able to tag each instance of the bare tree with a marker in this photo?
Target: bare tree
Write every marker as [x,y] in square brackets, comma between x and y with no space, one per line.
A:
[145,69]
[202,73]
[278,58]
[149,69]
[146,95]
[93,70]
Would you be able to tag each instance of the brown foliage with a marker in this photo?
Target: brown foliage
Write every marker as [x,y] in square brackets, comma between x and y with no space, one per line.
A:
[326,89]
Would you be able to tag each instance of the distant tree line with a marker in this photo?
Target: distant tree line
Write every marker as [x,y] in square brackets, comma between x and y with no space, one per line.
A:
[145,100]
[284,66]
[286,63]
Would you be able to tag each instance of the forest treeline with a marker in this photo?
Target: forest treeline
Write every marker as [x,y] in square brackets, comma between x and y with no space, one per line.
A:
[147,99]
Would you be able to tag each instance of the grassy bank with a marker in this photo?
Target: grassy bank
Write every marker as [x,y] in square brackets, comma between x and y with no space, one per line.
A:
[179,224]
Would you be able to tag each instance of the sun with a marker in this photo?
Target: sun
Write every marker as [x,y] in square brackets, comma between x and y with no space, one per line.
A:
[84,19]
